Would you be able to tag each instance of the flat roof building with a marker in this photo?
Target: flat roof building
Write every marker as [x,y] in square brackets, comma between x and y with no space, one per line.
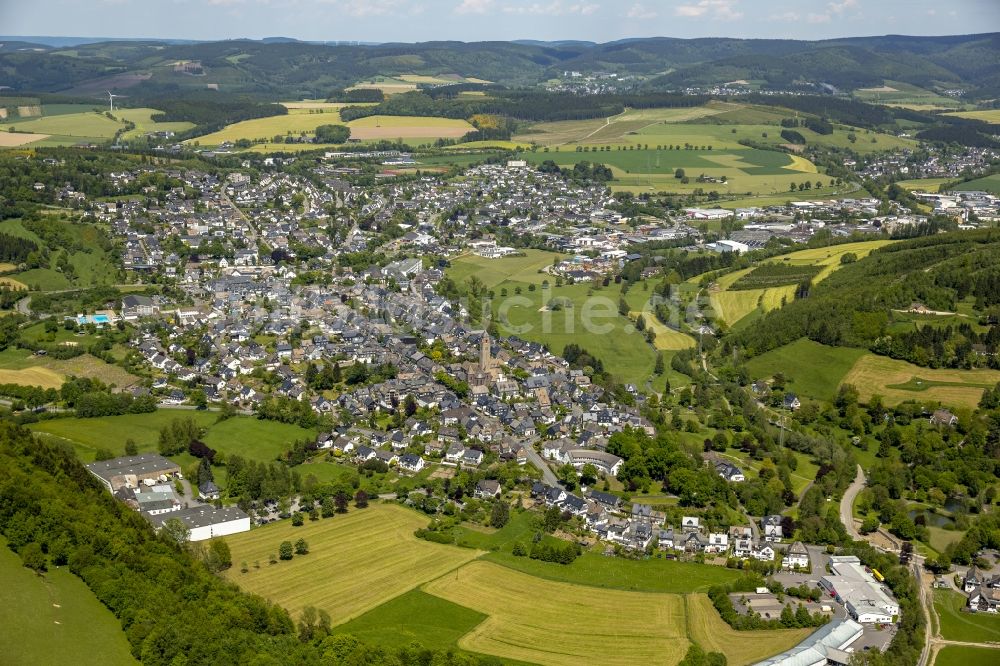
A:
[865,599]
[822,647]
[130,471]
[206,522]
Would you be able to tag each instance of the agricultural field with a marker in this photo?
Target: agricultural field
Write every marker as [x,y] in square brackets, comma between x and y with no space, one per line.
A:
[985,184]
[958,625]
[300,120]
[144,123]
[356,561]
[528,619]
[965,655]
[706,628]
[67,129]
[733,304]
[45,618]
[770,275]
[812,370]
[897,381]
[304,117]
[897,93]
[526,613]
[593,569]
[991,116]
[408,128]
[923,184]
[20,366]
[414,617]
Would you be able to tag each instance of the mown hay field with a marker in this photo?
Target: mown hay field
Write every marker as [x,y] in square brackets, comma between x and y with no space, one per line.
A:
[740,647]
[897,381]
[556,624]
[36,376]
[356,561]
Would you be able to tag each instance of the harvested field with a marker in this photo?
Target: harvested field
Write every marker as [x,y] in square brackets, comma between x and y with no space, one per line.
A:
[14,139]
[356,561]
[552,623]
[897,381]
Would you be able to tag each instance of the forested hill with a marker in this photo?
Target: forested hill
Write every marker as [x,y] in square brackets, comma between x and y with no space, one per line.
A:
[291,68]
[855,306]
[172,609]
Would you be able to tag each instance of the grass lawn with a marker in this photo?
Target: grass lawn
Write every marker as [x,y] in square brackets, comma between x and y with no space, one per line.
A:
[613,573]
[46,618]
[957,625]
[964,655]
[552,623]
[813,370]
[356,561]
[413,617]
[740,647]
[897,381]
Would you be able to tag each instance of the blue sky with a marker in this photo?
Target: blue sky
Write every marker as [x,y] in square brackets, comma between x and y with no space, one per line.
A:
[475,20]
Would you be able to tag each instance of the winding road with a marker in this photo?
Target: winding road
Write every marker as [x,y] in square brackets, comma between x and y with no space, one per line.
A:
[847,504]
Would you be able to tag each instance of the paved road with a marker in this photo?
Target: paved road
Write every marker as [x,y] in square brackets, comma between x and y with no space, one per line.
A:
[547,475]
[847,504]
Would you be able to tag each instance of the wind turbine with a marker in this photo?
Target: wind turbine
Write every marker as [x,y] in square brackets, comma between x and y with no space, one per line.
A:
[111,100]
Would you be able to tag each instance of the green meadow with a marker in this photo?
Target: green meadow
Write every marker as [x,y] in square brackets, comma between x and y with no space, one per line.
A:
[46,618]
[812,370]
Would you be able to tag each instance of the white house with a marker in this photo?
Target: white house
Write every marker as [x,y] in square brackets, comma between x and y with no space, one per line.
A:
[207,522]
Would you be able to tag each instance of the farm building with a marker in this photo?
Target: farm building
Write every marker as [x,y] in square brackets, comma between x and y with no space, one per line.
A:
[207,522]
[130,471]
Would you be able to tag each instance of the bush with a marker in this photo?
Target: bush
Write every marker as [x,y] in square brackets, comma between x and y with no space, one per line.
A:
[285,550]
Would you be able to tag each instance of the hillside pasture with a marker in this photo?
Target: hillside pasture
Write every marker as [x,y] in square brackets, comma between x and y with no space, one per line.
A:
[47,617]
[986,184]
[923,184]
[897,381]
[812,370]
[356,561]
[528,619]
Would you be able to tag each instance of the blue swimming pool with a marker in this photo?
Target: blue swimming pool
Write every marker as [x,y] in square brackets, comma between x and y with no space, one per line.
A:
[93,319]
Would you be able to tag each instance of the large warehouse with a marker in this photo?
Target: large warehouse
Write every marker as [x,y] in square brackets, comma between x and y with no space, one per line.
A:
[130,471]
[866,599]
[207,522]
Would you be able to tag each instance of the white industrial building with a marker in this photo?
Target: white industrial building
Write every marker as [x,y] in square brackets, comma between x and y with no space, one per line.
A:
[826,646]
[865,599]
[207,522]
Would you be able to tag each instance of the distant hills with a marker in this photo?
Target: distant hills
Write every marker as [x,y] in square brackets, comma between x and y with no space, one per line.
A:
[282,67]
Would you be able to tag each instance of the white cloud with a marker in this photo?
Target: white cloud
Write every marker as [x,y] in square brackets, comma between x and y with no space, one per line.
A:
[833,10]
[720,9]
[474,7]
[640,11]
[555,8]
[788,17]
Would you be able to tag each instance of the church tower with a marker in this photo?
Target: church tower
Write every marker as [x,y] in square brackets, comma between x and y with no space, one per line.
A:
[485,361]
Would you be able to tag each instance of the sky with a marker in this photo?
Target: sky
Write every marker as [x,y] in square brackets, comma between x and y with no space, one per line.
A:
[478,20]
